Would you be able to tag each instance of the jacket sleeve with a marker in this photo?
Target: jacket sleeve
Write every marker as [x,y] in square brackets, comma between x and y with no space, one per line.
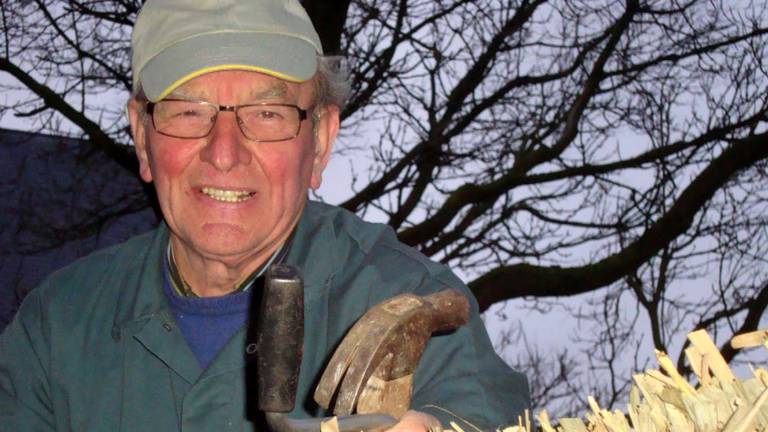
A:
[24,386]
[460,378]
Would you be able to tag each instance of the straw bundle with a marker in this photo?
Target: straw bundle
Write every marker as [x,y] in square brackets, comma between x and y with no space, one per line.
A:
[662,400]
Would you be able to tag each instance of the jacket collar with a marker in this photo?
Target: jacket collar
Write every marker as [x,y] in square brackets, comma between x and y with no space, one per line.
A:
[140,286]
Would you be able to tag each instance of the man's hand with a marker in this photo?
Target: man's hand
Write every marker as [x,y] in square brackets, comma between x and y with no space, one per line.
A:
[415,421]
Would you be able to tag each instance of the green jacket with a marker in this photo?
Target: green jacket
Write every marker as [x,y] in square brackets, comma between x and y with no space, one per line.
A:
[95,348]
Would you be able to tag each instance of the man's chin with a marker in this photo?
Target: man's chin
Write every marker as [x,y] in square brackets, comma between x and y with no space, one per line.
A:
[223,241]
[225,248]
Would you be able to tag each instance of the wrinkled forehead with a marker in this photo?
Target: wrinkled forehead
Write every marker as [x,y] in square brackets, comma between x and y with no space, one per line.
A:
[241,87]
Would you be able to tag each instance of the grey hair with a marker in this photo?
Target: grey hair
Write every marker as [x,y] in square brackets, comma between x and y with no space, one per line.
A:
[332,85]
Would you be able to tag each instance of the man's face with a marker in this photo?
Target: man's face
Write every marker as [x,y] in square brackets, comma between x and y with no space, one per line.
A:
[194,176]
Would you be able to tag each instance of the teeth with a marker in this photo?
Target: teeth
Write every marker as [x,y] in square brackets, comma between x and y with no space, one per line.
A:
[226,195]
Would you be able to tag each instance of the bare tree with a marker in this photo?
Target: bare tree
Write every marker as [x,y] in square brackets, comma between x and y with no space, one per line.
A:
[613,150]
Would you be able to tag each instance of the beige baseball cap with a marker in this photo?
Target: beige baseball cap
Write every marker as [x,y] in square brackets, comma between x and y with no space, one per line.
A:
[177,40]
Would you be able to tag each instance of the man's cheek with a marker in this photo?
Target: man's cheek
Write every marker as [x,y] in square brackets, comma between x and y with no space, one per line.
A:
[284,168]
[308,169]
[170,164]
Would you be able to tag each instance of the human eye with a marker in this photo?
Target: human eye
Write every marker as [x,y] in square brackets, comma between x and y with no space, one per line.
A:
[183,119]
[182,110]
[190,112]
[267,122]
[264,114]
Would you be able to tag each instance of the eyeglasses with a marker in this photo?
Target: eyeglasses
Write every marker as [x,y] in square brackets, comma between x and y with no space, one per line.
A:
[263,122]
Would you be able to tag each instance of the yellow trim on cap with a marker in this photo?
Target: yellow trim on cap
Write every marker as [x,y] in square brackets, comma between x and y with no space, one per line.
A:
[216,68]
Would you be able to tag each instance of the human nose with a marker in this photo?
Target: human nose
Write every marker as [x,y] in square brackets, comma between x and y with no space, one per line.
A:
[225,149]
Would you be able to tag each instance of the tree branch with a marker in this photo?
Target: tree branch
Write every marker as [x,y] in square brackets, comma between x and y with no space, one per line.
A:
[521,280]
[756,309]
[123,155]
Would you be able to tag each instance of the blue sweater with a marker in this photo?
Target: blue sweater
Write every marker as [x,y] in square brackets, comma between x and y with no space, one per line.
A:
[208,323]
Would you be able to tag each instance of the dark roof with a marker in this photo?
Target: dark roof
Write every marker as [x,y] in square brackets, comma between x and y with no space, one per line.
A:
[60,199]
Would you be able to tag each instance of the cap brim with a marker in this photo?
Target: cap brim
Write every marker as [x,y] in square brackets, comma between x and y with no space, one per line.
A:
[285,57]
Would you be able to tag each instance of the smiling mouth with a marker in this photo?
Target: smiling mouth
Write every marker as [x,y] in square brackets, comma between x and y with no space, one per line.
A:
[227,195]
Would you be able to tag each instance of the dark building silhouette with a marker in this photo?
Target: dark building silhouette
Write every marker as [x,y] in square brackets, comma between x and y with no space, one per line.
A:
[60,199]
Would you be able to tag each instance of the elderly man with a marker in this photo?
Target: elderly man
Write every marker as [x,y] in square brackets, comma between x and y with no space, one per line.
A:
[234,114]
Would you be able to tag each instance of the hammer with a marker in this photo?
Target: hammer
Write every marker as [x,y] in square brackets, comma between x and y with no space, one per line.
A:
[280,336]
[371,369]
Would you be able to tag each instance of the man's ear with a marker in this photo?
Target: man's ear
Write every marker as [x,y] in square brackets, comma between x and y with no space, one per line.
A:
[137,117]
[326,130]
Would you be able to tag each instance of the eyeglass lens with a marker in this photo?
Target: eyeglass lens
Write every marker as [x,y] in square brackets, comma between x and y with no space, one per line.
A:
[193,119]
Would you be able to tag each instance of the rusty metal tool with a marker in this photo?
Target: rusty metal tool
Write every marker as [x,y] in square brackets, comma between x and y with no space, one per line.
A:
[372,369]
[280,345]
